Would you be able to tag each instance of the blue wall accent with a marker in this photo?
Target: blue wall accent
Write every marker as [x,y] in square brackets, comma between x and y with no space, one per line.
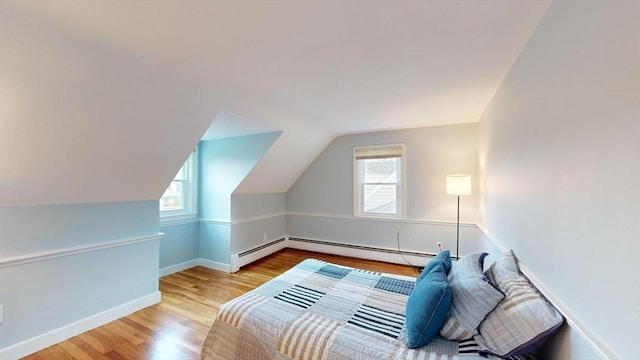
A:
[42,294]
[215,242]
[179,243]
[253,215]
[33,229]
[224,163]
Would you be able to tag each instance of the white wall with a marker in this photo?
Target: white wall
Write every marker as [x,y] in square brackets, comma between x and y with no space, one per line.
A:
[248,206]
[320,203]
[257,219]
[560,155]
[78,114]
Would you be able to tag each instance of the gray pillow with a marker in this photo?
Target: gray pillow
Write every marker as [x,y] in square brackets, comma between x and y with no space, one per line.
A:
[472,298]
[523,320]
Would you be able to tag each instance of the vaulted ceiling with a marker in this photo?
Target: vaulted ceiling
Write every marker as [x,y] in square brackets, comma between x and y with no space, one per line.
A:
[102,101]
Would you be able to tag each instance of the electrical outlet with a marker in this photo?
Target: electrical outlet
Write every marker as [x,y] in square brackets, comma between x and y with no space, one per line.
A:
[440,245]
[264,237]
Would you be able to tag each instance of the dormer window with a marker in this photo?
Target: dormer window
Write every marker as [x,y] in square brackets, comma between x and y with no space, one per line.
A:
[179,201]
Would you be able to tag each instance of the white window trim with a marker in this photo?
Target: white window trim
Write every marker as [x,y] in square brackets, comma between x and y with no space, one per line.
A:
[358,188]
[191,207]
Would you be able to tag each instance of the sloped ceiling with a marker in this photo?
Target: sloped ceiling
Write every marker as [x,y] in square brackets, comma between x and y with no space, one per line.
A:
[102,101]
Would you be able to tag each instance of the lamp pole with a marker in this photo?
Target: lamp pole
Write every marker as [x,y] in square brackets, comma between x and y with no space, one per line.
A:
[458,232]
[458,184]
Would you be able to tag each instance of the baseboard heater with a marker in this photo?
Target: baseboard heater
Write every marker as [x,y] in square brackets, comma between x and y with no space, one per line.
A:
[253,254]
[359,251]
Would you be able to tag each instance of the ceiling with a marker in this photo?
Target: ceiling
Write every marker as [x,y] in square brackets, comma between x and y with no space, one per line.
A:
[342,66]
[311,69]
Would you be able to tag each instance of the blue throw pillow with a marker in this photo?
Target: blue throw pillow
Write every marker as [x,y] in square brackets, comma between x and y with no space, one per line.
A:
[427,307]
[443,257]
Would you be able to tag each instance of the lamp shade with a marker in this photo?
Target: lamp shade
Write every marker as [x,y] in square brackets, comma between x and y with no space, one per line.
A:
[459,184]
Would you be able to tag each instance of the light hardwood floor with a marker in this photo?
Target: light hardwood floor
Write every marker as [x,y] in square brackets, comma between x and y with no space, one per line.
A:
[175,328]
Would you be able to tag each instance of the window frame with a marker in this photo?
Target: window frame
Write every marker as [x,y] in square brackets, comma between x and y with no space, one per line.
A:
[189,192]
[359,184]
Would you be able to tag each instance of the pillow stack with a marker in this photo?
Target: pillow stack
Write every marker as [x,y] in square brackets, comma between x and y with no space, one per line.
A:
[473,298]
[429,302]
[500,308]
[523,320]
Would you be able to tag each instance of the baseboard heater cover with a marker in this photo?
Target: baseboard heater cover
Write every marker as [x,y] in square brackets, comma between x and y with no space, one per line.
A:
[253,254]
[366,252]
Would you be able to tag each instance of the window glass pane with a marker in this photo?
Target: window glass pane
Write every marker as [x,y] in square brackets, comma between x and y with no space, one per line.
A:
[179,200]
[180,174]
[377,185]
[380,170]
[380,199]
[172,199]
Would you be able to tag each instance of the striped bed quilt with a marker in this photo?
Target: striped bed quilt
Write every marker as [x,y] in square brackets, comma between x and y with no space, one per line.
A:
[318,310]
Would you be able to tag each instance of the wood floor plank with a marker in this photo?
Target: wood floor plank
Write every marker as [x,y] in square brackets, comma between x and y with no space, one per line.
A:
[176,327]
[92,345]
[79,352]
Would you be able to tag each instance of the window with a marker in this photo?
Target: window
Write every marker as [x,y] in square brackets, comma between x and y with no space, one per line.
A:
[378,188]
[179,201]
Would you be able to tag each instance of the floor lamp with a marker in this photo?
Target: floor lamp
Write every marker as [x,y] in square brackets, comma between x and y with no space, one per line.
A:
[458,184]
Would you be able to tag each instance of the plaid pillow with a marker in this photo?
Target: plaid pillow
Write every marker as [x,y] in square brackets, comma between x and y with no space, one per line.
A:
[523,320]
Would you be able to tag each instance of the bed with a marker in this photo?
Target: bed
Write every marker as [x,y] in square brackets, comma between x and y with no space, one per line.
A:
[319,310]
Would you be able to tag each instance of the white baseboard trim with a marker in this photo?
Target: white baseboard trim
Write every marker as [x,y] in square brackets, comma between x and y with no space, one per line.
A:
[210,264]
[573,321]
[55,336]
[394,256]
[178,267]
